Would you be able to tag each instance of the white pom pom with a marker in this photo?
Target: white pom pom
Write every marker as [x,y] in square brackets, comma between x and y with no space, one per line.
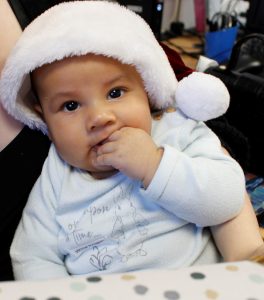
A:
[202,96]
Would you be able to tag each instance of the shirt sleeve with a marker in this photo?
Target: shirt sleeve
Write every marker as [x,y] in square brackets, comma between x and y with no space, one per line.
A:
[34,251]
[195,180]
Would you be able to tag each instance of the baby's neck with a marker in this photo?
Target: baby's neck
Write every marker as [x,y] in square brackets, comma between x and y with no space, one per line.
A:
[103,174]
[157,114]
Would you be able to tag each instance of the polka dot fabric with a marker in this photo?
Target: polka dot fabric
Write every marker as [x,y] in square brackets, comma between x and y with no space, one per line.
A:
[226,281]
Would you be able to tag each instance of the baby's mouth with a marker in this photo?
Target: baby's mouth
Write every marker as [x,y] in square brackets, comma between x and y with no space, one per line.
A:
[97,146]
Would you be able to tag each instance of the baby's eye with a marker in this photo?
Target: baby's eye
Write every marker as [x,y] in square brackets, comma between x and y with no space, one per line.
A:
[115,93]
[71,106]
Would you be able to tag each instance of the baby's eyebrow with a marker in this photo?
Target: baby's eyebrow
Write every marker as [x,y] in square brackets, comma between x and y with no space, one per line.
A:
[58,97]
[115,79]
[62,94]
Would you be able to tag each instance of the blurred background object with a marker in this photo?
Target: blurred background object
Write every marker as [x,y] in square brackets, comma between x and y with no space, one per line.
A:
[150,10]
[255,16]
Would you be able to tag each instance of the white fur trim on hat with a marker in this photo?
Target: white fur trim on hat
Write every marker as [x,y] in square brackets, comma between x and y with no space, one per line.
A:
[98,27]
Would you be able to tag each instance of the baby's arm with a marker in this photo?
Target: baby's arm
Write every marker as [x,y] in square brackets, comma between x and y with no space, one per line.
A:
[239,238]
[34,250]
[192,177]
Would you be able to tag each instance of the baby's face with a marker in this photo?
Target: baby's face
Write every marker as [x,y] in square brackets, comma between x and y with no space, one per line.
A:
[85,99]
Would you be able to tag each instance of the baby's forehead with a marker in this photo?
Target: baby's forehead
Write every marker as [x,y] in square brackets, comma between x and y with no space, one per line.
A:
[88,73]
[86,61]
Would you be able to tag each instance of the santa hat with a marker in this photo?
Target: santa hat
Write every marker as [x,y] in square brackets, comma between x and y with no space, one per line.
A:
[105,28]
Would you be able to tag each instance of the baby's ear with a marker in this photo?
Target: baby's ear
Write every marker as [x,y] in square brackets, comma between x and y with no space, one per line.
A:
[38,109]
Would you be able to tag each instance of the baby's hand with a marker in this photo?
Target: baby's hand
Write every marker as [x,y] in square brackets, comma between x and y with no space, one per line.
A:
[131,151]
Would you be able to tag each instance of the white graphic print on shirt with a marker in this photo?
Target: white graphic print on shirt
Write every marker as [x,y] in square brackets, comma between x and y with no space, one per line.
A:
[108,232]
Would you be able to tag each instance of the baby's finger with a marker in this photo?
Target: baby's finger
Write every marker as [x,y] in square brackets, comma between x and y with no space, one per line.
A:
[105,159]
[114,136]
[106,148]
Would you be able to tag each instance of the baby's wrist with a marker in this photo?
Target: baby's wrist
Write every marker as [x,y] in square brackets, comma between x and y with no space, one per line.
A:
[152,166]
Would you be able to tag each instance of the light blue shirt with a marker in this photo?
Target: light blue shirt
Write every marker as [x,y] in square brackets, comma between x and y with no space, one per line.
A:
[74,224]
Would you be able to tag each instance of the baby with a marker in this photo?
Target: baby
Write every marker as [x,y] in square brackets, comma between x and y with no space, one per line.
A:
[133,177]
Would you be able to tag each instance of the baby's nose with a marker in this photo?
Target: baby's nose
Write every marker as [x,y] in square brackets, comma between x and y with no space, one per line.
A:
[100,118]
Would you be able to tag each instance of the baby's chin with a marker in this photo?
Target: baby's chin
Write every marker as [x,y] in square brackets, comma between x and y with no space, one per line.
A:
[100,171]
